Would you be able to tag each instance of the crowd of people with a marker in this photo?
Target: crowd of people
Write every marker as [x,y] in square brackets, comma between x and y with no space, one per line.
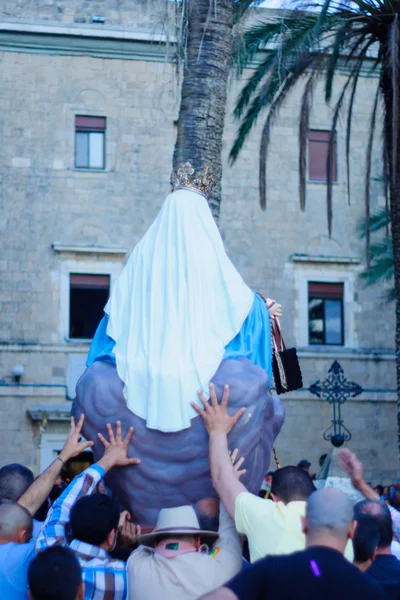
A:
[302,542]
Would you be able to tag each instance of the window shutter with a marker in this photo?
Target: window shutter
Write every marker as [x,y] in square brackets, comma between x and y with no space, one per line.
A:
[325,290]
[94,282]
[318,146]
[90,123]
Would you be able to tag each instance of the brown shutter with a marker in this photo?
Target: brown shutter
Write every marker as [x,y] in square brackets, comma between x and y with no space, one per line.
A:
[94,282]
[318,145]
[90,123]
[325,290]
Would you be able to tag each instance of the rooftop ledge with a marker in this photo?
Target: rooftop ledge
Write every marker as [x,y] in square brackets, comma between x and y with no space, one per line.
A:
[83,30]
[338,260]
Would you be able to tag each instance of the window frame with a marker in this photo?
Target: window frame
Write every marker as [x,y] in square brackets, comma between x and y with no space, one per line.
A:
[88,130]
[325,272]
[84,267]
[340,344]
[72,286]
[335,157]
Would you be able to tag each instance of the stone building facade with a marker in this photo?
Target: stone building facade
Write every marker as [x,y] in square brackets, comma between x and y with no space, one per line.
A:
[109,59]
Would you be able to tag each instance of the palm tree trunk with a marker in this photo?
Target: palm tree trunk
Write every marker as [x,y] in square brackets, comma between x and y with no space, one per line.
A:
[395,217]
[204,87]
[394,191]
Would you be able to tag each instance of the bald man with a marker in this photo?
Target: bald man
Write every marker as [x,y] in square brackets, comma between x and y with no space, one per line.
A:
[319,571]
[16,550]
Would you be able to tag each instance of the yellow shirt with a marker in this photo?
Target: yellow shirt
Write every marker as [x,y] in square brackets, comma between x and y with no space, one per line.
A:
[273,527]
[270,527]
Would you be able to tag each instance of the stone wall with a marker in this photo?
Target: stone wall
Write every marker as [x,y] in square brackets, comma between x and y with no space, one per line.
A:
[140,14]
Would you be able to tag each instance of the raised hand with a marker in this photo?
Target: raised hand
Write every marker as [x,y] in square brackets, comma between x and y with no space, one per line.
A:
[215,416]
[274,309]
[116,448]
[74,446]
[349,462]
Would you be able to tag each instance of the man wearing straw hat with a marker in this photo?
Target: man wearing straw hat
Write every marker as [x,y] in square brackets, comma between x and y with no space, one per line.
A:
[180,561]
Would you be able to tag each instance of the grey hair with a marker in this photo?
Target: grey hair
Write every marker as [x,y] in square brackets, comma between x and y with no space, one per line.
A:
[329,511]
[14,517]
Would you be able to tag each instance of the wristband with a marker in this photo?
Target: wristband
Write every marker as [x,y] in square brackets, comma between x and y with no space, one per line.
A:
[59,458]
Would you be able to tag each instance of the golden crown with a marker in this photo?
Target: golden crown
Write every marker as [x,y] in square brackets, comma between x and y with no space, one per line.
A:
[185,178]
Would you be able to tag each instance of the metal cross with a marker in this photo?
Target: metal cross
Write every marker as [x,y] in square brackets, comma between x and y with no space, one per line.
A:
[336,390]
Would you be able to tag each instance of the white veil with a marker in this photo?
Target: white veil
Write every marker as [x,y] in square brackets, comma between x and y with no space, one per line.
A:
[177,303]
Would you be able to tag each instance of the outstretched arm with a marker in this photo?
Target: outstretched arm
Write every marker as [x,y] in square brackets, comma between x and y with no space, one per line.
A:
[40,489]
[116,449]
[218,424]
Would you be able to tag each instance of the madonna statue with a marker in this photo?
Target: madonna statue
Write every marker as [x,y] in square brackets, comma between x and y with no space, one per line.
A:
[178,317]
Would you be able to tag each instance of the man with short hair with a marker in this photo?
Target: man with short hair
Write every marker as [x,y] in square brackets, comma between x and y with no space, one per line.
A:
[15,550]
[94,520]
[15,479]
[271,527]
[365,542]
[320,571]
[55,574]
[386,568]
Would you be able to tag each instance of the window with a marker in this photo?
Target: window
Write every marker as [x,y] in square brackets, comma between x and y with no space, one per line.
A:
[90,142]
[318,145]
[325,313]
[88,294]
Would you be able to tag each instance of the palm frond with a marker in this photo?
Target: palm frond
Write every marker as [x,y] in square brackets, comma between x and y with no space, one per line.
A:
[377,222]
[331,150]
[368,176]
[279,99]
[348,126]
[305,110]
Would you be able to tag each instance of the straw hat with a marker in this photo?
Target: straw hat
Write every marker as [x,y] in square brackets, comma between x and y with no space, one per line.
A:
[181,520]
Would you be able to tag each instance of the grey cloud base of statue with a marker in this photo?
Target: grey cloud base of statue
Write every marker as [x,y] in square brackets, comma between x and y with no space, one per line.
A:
[174,470]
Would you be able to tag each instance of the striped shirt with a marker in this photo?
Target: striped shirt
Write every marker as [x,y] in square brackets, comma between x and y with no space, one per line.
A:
[104,577]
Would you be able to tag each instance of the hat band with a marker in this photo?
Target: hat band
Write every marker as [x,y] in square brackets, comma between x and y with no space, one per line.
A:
[172,529]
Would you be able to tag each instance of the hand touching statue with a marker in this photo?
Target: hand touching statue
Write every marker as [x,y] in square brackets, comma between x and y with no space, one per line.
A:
[274,309]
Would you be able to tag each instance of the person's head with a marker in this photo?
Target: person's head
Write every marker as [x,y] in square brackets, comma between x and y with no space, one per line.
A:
[305,465]
[15,479]
[365,542]
[176,529]
[55,574]
[290,484]
[94,520]
[379,489]
[329,519]
[378,511]
[16,523]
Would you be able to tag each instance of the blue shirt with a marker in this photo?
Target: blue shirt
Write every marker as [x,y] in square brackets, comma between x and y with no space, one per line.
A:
[14,563]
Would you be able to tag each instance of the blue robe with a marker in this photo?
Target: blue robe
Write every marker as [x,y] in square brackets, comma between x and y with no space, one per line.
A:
[253,340]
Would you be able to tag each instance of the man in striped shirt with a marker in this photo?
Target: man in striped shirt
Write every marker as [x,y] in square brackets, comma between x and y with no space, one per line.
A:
[93,519]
